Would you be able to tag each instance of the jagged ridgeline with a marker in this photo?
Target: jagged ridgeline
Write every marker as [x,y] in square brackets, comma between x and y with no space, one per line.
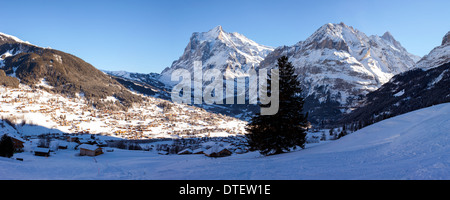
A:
[63,73]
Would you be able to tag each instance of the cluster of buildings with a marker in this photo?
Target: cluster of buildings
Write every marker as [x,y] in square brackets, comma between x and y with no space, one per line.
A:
[25,106]
[143,121]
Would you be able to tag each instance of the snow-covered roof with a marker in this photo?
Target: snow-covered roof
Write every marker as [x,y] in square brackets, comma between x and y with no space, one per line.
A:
[88,147]
[198,150]
[12,136]
[185,151]
[214,149]
[42,150]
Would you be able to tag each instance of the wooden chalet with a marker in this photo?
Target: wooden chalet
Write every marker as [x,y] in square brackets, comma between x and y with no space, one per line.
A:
[198,151]
[42,152]
[217,151]
[185,152]
[63,145]
[90,150]
[73,139]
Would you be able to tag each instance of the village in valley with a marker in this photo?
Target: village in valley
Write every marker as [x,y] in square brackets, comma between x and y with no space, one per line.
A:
[44,123]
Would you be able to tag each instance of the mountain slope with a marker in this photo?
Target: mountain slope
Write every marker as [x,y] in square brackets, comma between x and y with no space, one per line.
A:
[64,73]
[147,84]
[405,92]
[338,65]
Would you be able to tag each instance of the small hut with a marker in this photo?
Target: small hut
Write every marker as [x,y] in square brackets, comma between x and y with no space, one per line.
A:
[185,152]
[42,152]
[73,139]
[90,150]
[217,151]
[63,145]
[198,151]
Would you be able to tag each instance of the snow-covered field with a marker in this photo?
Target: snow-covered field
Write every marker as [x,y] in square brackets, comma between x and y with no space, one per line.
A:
[415,145]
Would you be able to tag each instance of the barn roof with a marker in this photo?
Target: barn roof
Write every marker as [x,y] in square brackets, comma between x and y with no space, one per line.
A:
[185,151]
[215,149]
[42,150]
[88,147]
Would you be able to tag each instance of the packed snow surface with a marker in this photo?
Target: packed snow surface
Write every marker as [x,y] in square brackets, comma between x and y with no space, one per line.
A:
[415,145]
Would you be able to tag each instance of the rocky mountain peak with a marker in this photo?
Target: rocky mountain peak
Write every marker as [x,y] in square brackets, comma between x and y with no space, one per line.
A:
[217,29]
[217,33]
[388,36]
[335,36]
[446,39]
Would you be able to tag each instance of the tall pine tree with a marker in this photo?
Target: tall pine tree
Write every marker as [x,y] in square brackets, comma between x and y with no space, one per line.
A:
[279,133]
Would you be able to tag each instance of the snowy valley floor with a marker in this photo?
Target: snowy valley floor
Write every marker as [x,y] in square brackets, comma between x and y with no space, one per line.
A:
[411,146]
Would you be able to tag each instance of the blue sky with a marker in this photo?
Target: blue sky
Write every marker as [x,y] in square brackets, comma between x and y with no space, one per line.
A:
[147,36]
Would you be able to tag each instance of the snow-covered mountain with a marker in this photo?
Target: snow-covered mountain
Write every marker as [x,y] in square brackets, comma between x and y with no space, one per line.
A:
[338,65]
[425,85]
[438,56]
[220,50]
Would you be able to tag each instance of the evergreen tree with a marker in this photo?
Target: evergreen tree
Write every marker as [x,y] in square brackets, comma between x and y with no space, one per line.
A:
[275,134]
[343,132]
[6,146]
[331,131]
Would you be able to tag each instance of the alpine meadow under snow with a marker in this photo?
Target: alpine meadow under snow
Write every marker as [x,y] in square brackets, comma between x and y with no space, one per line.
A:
[410,146]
